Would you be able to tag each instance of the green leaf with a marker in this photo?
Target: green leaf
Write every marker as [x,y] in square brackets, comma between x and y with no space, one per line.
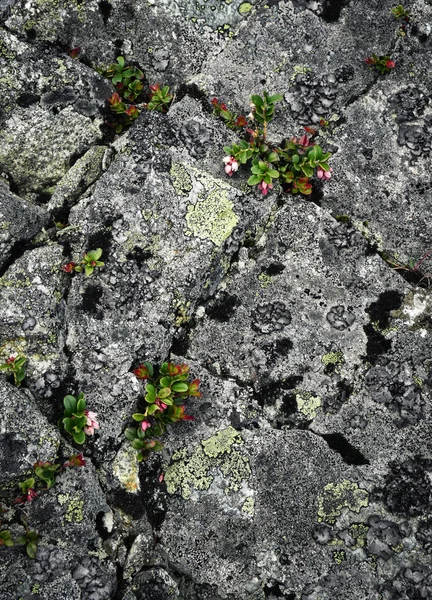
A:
[295,158]
[228,150]
[121,61]
[315,153]
[70,404]
[117,78]
[164,393]
[273,173]
[257,100]
[68,424]
[180,387]
[149,368]
[259,118]
[167,400]
[273,157]
[20,376]
[275,98]
[137,444]
[324,166]
[79,437]
[81,405]
[165,381]
[164,368]
[19,362]
[256,170]
[88,270]
[138,417]
[130,434]
[308,171]
[254,179]
[31,549]
[152,409]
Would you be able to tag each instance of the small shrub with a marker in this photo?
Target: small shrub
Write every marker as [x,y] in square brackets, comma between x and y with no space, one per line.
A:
[88,264]
[78,421]
[383,64]
[293,163]
[164,397]
[15,365]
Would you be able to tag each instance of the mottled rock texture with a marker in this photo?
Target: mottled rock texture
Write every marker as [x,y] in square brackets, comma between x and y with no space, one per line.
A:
[307,472]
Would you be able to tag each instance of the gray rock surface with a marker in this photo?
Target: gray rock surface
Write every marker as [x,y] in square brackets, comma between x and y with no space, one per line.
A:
[307,472]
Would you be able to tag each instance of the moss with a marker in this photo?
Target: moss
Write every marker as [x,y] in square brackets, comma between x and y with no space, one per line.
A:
[307,403]
[191,469]
[337,496]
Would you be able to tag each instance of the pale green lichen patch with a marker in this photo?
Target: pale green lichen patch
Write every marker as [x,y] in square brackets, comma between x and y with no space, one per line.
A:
[125,468]
[337,496]
[222,442]
[191,471]
[245,7]
[265,280]
[307,404]
[333,358]
[74,511]
[358,532]
[210,214]
[249,506]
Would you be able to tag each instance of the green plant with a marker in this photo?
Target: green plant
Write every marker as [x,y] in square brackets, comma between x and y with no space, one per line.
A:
[78,421]
[6,538]
[130,97]
[16,366]
[30,540]
[164,397]
[401,13]
[383,64]
[292,164]
[88,264]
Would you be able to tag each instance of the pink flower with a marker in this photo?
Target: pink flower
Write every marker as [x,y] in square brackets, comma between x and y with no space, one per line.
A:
[305,141]
[231,165]
[390,64]
[31,494]
[145,425]
[92,424]
[324,174]
[265,187]
[161,405]
[68,267]
[370,60]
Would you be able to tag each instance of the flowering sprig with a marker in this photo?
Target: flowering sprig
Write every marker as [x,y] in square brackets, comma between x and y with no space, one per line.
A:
[164,397]
[293,164]
[78,421]
[383,64]
[88,264]
[16,366]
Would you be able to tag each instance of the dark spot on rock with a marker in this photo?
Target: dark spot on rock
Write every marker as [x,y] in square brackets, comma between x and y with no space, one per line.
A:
[31,33]
[25,100]
[131,504]
[223,308]
[139,255]
[101,239]
[154,497]
[181,342]
[376,344]
[91,297]
[332,9]
[335,402]
[275,269]
[118,43]
[349,454]
[379,311]
[271,317]
[408,488]
[105,8]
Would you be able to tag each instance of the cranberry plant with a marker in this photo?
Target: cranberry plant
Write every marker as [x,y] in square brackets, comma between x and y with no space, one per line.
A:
[15,365]
[293,163]
[78,421]
[382,64]
[131,96]
[165,393]
[88,264]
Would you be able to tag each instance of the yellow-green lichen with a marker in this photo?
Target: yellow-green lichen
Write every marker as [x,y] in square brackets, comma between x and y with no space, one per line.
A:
[265,280]
[249,506]
[245,7]
[333,358]
[337,496]
[299,70]
[74,511]
[222,442]
[358,532]
[125,468]
[418,380]
[182,181]
[307,404]
[339,556]
[191,470]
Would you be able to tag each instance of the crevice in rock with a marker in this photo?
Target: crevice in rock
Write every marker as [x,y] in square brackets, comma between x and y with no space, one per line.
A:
[332,9]
[338,443]
[16,252]
[105,8]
